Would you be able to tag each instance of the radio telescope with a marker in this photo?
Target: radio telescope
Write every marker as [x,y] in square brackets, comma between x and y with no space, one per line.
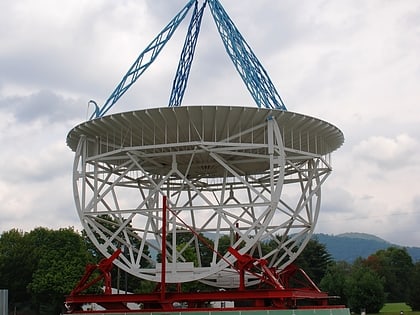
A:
[183,191]
[250,174]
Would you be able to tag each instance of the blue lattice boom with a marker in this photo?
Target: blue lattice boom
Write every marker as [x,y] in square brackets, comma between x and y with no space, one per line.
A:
[251,71]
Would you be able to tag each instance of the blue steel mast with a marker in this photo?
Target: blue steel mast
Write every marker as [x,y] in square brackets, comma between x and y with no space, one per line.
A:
[246,63]
[187,55]
[249,68]
[143,61]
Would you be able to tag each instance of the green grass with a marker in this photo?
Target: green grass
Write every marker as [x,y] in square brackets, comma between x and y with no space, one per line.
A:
[396,308]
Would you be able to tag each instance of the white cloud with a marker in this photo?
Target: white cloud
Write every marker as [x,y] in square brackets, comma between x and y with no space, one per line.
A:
[352,63]
[388,154]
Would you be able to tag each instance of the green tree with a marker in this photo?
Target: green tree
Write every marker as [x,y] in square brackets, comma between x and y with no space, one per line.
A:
[414,296]
[40,267]
[225,241]
[16,266]
[364,289]
[334,281]
[314,260]
[61,259]
[395,266]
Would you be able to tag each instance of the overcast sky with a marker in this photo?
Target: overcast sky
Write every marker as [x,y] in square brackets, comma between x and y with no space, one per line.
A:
[353,63]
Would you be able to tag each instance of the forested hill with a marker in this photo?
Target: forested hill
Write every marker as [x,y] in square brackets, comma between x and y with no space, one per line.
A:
[349,246]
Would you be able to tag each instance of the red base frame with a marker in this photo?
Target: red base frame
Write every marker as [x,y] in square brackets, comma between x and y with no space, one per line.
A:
[290,289]
[174,301]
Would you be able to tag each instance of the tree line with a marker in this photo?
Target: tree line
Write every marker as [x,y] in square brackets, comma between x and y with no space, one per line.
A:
[387,276]
[39,268]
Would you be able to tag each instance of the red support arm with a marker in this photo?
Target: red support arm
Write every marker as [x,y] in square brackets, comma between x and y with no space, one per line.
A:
[105,267]
[247,262]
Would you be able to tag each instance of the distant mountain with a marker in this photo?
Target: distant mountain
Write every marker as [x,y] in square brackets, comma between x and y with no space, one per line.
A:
[349,246]
[363,236]
[346,246]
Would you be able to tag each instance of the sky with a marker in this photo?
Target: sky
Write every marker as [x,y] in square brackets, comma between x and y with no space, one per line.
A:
[353,63]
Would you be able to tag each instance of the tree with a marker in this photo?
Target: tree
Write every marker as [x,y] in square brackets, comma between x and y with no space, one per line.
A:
[314,260]
[16,266]
[334,281]
[61,259]
[395,266]
[225,241]
[414,296]
[364,289]
[40,267]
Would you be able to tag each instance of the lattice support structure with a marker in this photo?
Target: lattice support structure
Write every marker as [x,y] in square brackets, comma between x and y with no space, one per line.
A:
[231,173]
[187,56]
[228,196]
[245,61]
[250,69]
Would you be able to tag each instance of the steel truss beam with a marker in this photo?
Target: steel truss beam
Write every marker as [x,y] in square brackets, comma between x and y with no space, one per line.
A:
[246,63]
[187,55]
[143,61]
[119,203]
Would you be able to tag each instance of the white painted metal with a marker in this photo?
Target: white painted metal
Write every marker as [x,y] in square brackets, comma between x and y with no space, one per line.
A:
[252,174]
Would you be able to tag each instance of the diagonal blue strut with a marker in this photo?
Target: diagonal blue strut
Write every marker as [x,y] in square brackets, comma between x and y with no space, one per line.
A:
[246,63]
[187,55]
[143,61]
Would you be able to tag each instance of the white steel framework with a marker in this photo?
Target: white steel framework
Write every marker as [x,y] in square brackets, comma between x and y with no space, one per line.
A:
[233,176]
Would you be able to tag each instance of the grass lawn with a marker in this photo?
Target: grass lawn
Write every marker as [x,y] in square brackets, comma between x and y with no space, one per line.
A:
[396,308]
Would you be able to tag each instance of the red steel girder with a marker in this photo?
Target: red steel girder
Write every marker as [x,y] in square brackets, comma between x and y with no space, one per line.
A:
[255,299]
[105,267]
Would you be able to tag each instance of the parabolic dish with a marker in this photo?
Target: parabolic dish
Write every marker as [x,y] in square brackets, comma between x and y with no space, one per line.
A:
[251,175]
[195,124]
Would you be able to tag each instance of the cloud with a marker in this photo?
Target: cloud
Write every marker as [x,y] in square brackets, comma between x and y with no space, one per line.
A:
[44,105]
[354,64]
[388,154]
[35,184]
